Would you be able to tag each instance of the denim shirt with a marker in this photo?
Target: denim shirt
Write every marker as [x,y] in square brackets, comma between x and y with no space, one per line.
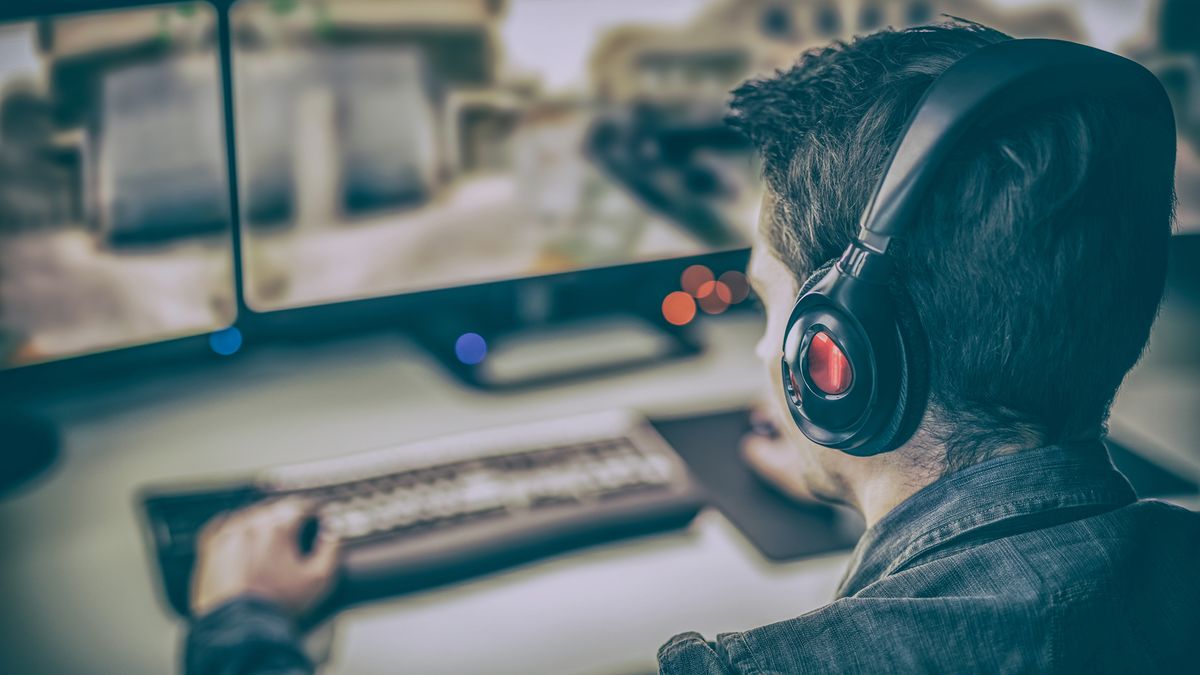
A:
[1038,561]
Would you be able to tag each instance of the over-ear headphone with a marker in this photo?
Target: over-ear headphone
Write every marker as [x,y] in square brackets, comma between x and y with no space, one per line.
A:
[855,367]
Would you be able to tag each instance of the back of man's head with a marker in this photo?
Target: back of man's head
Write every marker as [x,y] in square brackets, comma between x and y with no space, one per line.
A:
[1038,259]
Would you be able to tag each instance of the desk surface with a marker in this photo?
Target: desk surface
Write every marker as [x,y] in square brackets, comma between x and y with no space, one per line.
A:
[77,581]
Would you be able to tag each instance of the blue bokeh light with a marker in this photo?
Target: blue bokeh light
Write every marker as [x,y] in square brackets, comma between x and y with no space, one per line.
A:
[470,348]
[226,342]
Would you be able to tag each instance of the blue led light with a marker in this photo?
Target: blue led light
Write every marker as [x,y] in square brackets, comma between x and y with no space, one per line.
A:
[470,348]
[226,342]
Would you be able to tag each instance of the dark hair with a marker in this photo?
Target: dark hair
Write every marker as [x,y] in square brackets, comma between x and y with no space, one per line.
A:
[1038,259]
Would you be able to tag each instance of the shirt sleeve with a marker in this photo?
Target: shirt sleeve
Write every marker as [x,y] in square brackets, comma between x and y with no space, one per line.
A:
[691,654]
[245,636]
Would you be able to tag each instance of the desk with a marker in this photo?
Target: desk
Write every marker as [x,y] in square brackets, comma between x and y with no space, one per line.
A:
[76,579]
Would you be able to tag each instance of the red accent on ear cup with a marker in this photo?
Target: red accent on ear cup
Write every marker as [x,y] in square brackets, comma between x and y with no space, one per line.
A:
[828,367]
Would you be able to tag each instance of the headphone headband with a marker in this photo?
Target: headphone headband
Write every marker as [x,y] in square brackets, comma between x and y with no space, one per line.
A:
[996,81]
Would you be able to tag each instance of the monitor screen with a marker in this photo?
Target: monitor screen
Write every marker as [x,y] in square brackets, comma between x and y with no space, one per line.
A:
[395,147]
[114,196]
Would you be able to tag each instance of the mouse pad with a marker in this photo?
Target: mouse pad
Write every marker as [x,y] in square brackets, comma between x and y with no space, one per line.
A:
[779,527]
[784,530]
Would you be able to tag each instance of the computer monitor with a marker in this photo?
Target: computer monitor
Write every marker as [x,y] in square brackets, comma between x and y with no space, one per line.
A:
[396,147]
[399,147]
[115,217]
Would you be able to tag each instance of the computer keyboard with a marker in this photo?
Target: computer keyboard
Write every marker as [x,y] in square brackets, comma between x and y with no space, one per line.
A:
[438,510]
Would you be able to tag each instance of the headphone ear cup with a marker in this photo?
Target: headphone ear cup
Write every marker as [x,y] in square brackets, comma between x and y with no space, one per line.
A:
[913,394]
[914,375]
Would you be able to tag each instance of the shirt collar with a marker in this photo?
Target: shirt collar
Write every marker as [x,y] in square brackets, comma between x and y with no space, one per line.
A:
[1000,489]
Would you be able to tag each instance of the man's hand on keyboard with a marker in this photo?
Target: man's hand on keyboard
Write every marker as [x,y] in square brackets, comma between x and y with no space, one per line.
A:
[256,552]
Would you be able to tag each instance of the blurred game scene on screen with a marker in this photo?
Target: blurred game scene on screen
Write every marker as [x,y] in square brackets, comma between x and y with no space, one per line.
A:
[396,146]
[400,146]
[114,196]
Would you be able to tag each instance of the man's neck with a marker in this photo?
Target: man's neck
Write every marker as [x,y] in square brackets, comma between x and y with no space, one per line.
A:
[875,497]
[881,483]
[876,485]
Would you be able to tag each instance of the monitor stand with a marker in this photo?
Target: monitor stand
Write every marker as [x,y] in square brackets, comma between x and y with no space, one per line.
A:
[530,355]
[29,446]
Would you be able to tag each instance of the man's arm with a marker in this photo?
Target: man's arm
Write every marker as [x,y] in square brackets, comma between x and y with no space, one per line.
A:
[251,584]
[245,635]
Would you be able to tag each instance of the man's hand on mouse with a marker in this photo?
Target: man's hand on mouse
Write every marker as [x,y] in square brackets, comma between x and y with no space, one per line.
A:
[256,552]
[769,454]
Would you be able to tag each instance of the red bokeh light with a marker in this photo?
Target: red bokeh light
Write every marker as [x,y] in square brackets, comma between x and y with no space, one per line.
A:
[678,308]
[694,277]
[739,286]
[724,294]
[714,297]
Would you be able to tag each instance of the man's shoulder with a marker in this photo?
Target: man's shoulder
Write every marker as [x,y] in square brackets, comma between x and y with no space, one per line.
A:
[1065,595]
[862,634]
[1148,539]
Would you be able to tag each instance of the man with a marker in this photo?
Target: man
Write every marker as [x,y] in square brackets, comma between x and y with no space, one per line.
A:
[999,536]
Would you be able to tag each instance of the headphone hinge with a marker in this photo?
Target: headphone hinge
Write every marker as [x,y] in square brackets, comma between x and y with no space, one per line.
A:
[863,262]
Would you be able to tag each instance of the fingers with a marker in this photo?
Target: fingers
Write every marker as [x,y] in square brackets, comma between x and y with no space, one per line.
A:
[282,516]
[257,551]
[287,515]
[274,520]
[211,528]
[763,424]
[323,561]
[779,464]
